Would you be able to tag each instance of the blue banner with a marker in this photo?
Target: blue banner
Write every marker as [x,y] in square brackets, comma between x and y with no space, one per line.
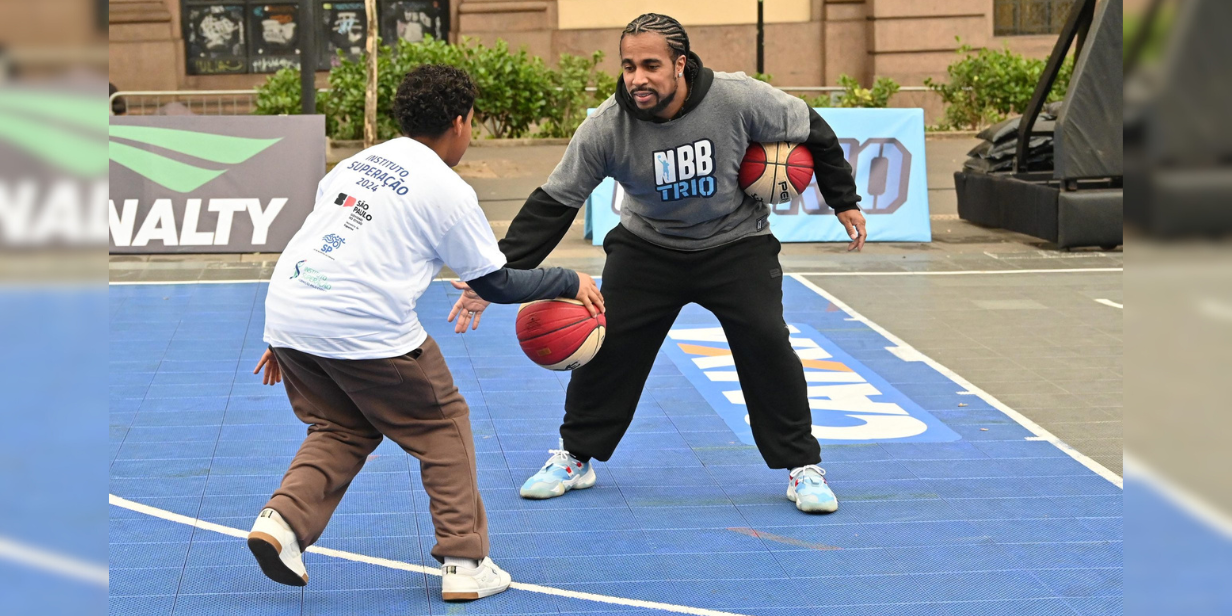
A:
[885,148]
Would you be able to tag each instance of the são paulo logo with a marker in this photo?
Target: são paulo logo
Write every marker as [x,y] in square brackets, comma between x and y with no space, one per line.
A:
[360,213]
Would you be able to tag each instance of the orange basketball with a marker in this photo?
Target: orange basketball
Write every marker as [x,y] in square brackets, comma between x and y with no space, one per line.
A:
[559,334]
[775,173]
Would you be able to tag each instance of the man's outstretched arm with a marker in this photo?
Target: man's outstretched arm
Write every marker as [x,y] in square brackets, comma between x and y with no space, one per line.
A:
[536,230]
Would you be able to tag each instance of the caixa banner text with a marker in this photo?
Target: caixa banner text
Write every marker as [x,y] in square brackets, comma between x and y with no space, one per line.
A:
[885,148]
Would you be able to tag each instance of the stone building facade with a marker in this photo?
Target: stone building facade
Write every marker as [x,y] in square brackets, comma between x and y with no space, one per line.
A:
[807,42]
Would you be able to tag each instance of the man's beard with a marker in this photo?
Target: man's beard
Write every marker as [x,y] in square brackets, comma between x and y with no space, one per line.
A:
[653,112]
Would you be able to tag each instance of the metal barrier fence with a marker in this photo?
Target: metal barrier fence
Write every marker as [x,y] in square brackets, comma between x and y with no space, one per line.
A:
[834,91]
[242,102]
[180,102]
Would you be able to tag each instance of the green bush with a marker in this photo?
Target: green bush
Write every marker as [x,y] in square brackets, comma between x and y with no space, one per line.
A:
[516,90]
[877,97]
[819,101]
[343,105]
[280,94]
[568,99]
[513,88]
[988,85]
[853,95]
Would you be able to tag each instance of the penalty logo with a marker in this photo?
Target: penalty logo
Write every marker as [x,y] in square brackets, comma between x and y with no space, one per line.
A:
[173,174]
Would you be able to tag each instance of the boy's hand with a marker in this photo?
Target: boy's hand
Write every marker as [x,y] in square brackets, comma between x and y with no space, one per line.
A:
[589,294]
[468,309]
[273,374]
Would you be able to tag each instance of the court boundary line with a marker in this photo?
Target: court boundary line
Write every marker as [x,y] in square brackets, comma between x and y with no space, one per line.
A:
[1073,270]
[169,516]
[154,283]
[1022,420]
[144,283]
[46,560]
[1182,497]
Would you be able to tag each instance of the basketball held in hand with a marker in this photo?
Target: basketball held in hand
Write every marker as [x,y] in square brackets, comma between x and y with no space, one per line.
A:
[559,334]
[775,173]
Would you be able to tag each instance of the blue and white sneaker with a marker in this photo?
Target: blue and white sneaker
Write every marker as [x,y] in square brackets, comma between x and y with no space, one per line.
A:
[562,473]
[807,488]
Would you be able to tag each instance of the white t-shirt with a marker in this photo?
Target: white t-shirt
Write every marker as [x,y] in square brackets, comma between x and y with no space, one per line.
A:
[384,223]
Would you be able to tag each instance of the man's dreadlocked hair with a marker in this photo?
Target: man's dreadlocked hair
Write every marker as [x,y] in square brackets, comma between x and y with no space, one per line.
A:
[677,38]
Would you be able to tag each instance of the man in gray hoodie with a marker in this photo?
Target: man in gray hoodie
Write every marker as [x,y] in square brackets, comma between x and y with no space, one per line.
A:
[673,136]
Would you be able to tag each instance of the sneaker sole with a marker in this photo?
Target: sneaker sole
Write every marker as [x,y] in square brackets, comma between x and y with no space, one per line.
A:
[792,498]
[268,552]
[472,595]
[567,489]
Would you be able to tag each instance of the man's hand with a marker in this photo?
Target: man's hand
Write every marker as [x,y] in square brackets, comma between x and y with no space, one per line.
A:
[589,294]
[468,309]
[273,374]
[853,221]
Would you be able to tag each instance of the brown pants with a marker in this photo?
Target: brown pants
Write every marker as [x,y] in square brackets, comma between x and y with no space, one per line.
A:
[348,405]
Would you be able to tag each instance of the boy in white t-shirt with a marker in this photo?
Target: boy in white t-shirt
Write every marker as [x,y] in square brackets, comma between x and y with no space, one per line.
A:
[341,324]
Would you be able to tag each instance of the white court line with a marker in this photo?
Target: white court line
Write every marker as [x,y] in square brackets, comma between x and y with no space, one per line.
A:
[1192,503]
[1024,421]
[396,564]
[131,283]
[1075,270]
[40,558]
[1108,302]
[136,283]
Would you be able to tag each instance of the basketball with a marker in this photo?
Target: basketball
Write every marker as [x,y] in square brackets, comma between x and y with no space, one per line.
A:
[559,334]
[775,173]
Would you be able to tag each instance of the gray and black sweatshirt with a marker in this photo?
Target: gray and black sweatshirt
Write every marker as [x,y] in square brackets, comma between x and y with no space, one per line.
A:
[679,175]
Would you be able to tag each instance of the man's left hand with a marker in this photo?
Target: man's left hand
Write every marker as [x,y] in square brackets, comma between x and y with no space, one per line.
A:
[853,221]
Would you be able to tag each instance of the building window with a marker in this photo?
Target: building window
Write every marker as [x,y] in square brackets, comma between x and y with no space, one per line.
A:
[246,36]
[1022,17]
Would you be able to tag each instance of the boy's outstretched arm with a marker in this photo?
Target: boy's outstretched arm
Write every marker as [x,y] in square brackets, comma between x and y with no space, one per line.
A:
[510,286]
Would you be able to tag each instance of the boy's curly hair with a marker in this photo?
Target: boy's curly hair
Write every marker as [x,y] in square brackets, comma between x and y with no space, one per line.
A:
[430,97]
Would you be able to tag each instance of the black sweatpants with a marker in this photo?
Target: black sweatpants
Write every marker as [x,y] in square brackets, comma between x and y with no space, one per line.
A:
[644,288]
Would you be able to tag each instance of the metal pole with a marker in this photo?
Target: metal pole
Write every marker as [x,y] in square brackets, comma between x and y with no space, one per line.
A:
[308,57]
[370,90]
[761,40]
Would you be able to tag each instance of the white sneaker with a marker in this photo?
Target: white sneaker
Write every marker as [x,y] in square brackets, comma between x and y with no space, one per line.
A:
[561,473]
[277,549]
[807,488]
[466,584]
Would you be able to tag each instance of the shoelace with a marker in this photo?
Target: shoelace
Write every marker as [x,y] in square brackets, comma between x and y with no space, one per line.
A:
[800,471]
[559,455]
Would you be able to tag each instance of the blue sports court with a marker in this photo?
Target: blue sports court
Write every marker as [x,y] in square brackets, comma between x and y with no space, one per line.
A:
[950,506]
